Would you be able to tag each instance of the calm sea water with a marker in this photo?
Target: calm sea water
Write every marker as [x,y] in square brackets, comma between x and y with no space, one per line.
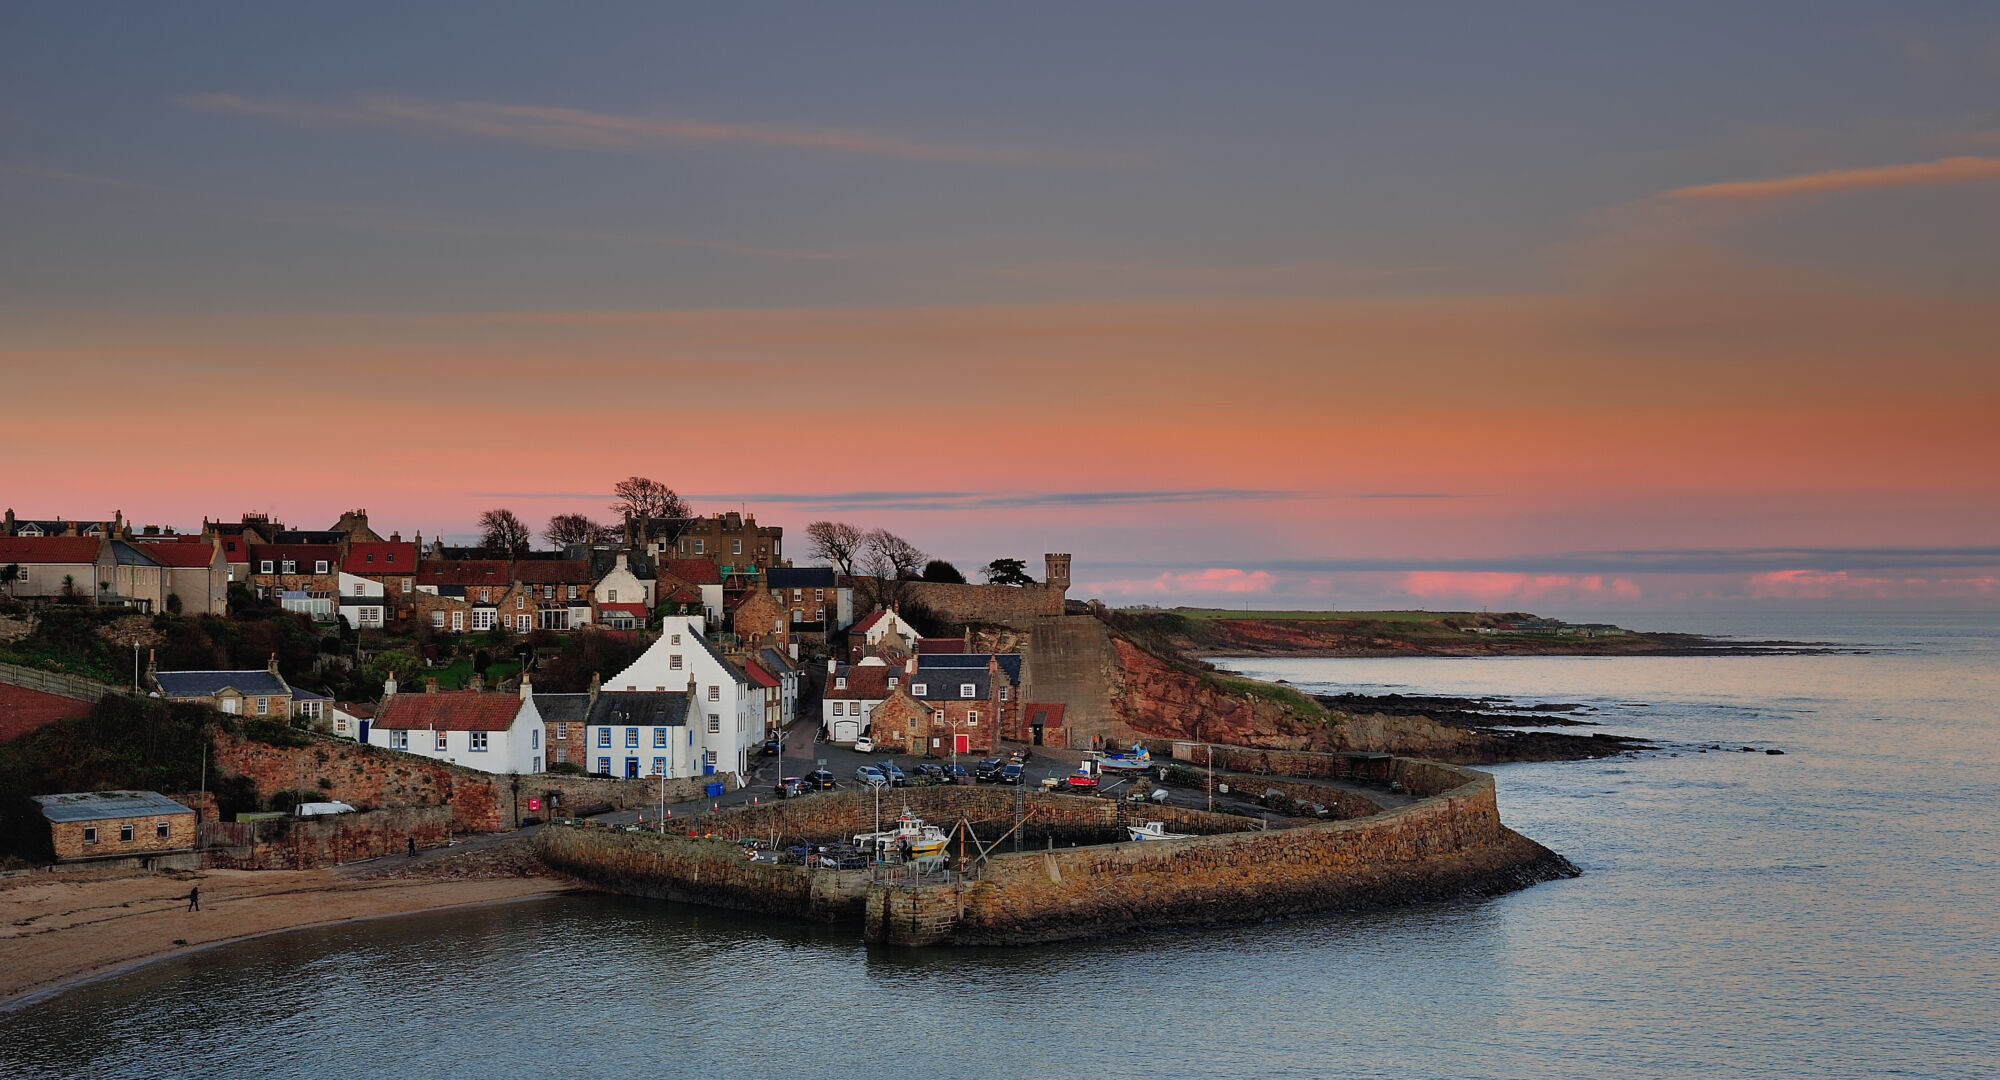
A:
[1831,912]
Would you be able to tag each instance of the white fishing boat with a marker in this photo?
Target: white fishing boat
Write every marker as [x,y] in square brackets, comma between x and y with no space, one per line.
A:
[1139,760]
[925,840]
[1155,830]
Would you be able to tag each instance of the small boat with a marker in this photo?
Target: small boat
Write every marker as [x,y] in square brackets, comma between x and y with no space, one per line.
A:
[1155,830]
[925,840]
[1139,760]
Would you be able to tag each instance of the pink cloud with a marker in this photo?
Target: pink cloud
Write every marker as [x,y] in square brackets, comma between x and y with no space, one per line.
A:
[1491,587]
[1212,580]
[1829,584]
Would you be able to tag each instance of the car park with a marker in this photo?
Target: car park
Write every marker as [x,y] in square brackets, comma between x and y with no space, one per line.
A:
[1011,774]
[870,776]
[822,780]
[894,774]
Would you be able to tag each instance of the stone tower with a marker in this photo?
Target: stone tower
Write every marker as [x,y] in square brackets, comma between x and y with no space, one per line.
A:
[1057,572]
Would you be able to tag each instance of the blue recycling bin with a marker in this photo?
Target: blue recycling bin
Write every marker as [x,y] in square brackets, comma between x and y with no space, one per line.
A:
[714,790]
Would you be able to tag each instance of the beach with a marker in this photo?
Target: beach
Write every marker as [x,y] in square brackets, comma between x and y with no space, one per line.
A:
[60,929]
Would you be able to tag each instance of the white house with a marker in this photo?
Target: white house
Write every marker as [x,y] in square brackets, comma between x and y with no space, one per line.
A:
[727,712]
[362,603]
[852,692]
[495,733]
[884,628]
[643,734]
[621,584]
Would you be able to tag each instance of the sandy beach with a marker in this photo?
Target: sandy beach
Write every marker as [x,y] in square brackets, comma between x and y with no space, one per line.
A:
[59,929]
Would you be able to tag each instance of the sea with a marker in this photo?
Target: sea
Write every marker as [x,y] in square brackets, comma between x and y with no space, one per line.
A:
[1830,911]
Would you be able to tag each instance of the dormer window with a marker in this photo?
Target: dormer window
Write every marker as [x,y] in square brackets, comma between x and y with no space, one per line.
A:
[291,567]
[892,682]
[370,557]
[920,689]
[966,690]
[264,567]
[319,567]
[841,683]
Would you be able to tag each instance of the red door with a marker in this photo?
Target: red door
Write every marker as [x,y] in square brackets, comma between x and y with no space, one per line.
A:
[961,744]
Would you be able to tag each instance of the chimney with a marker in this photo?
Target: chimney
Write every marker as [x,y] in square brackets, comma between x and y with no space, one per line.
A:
[596,684]
[395,536]
[430,684]
[152,665]
[273,665]
[9,530]
[526,691]
[832,665]
[477,684]
[910,666]
[389,687]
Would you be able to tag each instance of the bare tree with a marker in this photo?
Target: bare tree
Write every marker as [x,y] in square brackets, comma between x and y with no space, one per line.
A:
[502,533]
[641,497]
[890,557]
[566,529]
[835,541]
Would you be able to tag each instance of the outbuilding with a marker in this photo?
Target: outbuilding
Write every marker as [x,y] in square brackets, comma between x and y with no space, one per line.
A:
[142,825]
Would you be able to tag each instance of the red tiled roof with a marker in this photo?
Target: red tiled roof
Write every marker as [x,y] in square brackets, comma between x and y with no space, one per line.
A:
[453,710]
[551,571]
[863,626]
[463,572]
[175,551]
[356,709]
[1045,715]
[695,571]
[48,549]
[946,645]
[758,675]
[383,558]
[637,611]
[870,683]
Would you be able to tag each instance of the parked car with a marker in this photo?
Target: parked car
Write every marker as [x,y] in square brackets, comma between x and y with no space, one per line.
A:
[926,774]
[822,780]
[864,745]
[895,775]
[770,748]
[988,769]
[1011,774]
[955,774]
[791,787]
[870,776]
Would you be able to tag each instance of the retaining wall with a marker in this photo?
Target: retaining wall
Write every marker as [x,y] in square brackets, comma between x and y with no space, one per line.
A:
[702,871]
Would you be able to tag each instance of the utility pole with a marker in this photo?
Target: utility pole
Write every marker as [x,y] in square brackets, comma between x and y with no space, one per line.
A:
[135,665]
[660,822]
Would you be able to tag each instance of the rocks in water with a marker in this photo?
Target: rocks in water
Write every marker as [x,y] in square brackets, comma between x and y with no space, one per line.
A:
[1774,751]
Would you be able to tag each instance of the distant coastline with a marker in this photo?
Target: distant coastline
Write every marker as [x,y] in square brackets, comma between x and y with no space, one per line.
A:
[1380,634]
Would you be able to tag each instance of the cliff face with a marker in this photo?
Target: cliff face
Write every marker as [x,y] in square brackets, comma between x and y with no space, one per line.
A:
[365,776]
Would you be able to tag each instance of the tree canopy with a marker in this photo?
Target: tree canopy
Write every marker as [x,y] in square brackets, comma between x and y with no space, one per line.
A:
[940,570]
[502,533]
[641,496]
[1008,572]
[835,541]
[566,529]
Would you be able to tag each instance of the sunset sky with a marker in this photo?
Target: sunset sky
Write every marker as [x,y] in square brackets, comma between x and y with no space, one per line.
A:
[1573,308]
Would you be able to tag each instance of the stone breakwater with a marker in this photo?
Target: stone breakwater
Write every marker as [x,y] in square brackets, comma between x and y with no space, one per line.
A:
[1448,843]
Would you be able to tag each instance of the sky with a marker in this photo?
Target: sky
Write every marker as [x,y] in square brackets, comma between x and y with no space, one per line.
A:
[1565,308]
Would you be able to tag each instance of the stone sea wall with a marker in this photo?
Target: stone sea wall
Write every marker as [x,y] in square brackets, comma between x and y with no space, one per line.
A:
[697,870]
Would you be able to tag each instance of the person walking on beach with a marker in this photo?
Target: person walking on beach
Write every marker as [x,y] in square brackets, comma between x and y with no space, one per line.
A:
[194,898]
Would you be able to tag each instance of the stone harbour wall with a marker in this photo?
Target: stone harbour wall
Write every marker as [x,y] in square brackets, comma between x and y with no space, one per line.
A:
[699,870]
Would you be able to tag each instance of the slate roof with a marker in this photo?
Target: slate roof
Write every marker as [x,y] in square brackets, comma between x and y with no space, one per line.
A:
[100,805]
[552,572]
[638,562]
[695,571]
[449,710]
[640,708]
[308,536]
[1009,662]
[563,708]
[944,685]
[702,640]
[48,549]
[775,662]
[196,684]
[388,557]
[800,577]
[129,555]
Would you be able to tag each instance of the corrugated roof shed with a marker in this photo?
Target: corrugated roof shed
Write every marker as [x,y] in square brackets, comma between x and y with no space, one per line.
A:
[99,805]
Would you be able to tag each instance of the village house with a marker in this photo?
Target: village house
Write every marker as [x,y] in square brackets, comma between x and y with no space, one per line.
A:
[951,704]
[141,825]
[304,577]
[696,580]
[491,732]
[258,692]
[565,723]
[35,529]
[236,538]
[728,710]
[634,734]
[851,695]
[622,577]
[817,603]
[350,720]
[460,595]
[362,603]
[195,570]
[788,674]
[735,541]
[58,567]
[392,563]
[883,633]
[557,591]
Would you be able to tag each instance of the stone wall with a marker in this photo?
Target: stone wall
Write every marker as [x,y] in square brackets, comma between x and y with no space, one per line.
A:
[1008,605]
[70,845]
[697,870]
[294,843]
[832,816]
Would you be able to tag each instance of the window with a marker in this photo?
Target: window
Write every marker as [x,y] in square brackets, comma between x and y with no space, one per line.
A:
[358,590]
[714,723]
[736,547]
[520,602]
[562,755]
[124,834]
[613,597]
[604,766]
[709,759]
[972,719]
[263,706]
[840,682]
[714,692]
[440,742]
[562,732]
[604,737]
[400,740]
[538,763]
[819,596]
[937,716]
[798,615]
[920,689]
[659,737]
[966,690]
[264,566]
[90,834]
[892,682]
[676,640]
[819,614]
[534,738]
[457,621]
[631,737]
[486,596]
[798,595]
[162,829]
[437,620]
[1003,693]
[548,592]
[698,550]
[572,592]
[659,766]
[840,708]
[475,740]
[291,566]
[319,566]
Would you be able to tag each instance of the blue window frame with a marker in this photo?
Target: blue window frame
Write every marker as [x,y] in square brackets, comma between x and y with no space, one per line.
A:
[631,736]
[604,740]
[659,737]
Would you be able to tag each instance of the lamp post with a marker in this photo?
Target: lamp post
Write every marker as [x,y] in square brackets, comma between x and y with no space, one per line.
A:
[135,665]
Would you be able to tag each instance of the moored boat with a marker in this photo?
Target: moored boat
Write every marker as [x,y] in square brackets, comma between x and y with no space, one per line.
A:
[924,840]
[1155,830]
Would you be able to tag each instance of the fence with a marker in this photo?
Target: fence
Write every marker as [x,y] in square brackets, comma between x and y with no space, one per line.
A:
[49,682]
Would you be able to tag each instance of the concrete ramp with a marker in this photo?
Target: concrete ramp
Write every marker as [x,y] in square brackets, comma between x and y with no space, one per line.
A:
[1071,662]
